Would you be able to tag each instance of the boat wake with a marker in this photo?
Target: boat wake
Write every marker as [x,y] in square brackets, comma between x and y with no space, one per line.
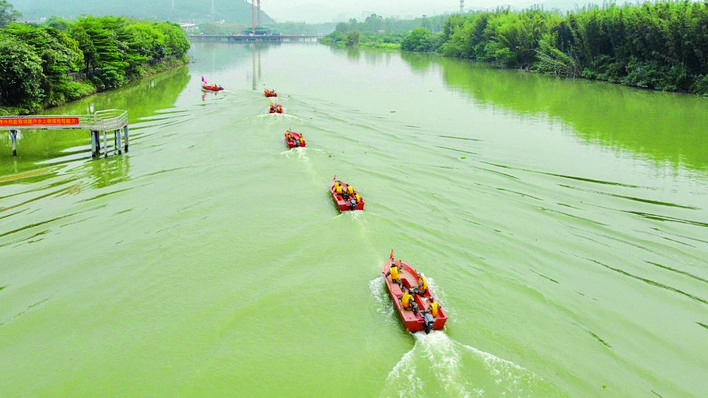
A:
[277,116]
[383,300]
[300,152]
[440,366]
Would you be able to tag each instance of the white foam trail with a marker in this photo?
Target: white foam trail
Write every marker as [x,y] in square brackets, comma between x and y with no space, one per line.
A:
[380,292]
[403,377]
[440,366]
[301,153]
[445,361]
[512,377]
[432,368]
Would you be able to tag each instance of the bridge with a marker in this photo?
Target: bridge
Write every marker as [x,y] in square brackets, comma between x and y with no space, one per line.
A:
[255,34]
[115,120]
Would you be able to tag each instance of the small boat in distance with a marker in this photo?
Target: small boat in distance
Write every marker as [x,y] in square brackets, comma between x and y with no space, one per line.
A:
[211,87]
[423,312]
[270,93]
[276,108]
[294,139]
[345,196]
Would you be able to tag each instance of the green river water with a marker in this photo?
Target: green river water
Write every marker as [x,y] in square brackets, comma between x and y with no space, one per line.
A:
[563,225]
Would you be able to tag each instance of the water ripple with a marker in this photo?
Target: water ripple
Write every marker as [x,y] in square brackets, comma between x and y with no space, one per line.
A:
[651,282]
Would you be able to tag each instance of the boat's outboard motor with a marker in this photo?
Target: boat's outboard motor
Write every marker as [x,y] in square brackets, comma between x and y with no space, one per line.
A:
[428,321]
[352,204]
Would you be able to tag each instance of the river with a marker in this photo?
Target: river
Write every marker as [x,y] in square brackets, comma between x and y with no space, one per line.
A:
[562,223]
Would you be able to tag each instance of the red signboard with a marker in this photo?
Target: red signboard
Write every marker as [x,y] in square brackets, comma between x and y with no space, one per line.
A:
[37,121]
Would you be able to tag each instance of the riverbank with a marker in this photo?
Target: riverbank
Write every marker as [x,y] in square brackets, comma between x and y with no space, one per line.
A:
[654,46]
[87,89]
[42,66]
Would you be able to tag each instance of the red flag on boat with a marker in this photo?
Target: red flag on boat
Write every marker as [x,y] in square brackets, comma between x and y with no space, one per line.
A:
[391,256]
[334,178]
[203,80]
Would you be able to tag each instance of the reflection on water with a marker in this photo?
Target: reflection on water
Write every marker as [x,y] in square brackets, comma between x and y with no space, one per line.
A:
[663,127]
[36,148]
[108,171]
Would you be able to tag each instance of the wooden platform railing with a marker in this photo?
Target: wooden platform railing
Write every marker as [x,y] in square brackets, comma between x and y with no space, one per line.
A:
[102,121]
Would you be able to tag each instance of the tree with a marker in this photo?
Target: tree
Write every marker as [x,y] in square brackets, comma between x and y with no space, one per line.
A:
[8,13]
[176,43]
[20,75]
[104,64]
[58,52]
[352,38]
[420,39]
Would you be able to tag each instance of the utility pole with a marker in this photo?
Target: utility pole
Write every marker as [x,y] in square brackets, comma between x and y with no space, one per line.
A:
[462,6]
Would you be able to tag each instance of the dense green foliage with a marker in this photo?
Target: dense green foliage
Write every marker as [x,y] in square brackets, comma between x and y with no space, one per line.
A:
[421,40]
[60,61]
[662,45]
[376,31]
[21,70]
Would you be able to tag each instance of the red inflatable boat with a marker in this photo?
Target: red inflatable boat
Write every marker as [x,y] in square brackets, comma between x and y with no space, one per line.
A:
[294,139]
[211,87]
[276,108]
[345,197]
[421,314]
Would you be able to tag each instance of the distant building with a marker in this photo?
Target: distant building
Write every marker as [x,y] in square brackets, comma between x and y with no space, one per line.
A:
[188,27]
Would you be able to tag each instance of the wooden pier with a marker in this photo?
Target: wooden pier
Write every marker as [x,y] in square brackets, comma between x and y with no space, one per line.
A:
[114,120]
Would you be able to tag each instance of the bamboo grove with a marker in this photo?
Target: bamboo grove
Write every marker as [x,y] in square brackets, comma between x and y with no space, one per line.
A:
[662,45]
[59,61]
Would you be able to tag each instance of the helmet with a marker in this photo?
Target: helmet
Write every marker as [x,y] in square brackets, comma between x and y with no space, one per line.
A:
[431,299]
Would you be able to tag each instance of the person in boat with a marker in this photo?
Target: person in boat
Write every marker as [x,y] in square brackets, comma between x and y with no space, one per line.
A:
[343,192]
[395,274]
[338,188]
[408,301]
[433,307]
[422,285]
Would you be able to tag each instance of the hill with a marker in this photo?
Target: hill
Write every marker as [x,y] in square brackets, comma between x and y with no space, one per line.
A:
[237,11]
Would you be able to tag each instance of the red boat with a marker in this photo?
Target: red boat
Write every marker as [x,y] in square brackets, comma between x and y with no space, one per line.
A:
[270,93]
[211,87]
[422,316]
[276,108]
[294,139]
[345,196]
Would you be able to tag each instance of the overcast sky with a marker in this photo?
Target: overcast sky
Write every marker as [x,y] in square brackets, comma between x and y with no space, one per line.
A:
[315,11]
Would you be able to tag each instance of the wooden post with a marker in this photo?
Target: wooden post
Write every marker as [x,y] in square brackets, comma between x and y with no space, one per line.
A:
[125,136]
[116,141]
[95,144]
[13,137]
[105,144]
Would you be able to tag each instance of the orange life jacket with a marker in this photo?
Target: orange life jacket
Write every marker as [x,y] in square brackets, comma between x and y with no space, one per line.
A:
[406,300]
